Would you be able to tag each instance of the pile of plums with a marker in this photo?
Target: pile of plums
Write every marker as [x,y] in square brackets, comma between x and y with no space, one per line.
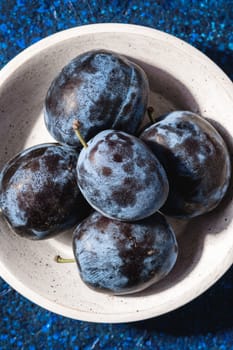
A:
[110,182]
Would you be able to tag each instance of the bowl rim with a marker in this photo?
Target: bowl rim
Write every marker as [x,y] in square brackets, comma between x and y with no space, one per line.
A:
[73,32]
[225,83]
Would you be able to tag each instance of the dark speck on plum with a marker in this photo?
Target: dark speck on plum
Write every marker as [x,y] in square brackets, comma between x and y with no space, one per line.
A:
[106,171]
[102,224]
[124,198]
[128,168]
[117,157]
[34,166]
[94,150]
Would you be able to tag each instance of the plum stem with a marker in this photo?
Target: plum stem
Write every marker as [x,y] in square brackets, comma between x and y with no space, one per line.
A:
[76,126]
[150,112]
[61,260]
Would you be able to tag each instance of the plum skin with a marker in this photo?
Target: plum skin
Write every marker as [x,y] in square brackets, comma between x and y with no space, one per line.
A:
[120,177]
[122,257]
[39,196]
[101,89]
[196,161]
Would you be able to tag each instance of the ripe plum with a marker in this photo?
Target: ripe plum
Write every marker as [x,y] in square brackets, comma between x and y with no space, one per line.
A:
[120,176]
[196,161]
[123,258]
[101,89]
[39,195]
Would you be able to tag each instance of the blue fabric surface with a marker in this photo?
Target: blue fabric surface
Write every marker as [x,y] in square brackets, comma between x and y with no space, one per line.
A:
[205,323]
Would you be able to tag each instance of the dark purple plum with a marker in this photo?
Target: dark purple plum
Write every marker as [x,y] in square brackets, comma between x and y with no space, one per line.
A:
[120,176]
[101,89]
[196,160]
[122,258]
[39,195]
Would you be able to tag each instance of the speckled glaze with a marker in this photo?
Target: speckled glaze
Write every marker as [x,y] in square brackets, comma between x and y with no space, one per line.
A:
[205,244]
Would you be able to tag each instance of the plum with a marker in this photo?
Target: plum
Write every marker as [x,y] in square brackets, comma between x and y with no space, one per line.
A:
[39,196]
[100,88]
[122,257]
[120,176]
[195,159]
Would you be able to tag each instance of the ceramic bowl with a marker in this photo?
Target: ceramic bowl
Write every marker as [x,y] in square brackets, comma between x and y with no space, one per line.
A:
[180,78]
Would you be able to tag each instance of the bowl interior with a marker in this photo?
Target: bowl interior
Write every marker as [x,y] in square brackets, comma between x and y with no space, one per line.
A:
[180,78]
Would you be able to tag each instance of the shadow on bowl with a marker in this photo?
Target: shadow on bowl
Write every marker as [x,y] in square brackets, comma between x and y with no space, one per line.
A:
[175,93]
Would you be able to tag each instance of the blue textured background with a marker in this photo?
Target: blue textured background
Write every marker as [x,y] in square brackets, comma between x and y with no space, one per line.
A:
[205,323]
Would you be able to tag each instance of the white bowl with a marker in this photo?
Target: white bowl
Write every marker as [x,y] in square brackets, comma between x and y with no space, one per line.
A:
[180,78]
